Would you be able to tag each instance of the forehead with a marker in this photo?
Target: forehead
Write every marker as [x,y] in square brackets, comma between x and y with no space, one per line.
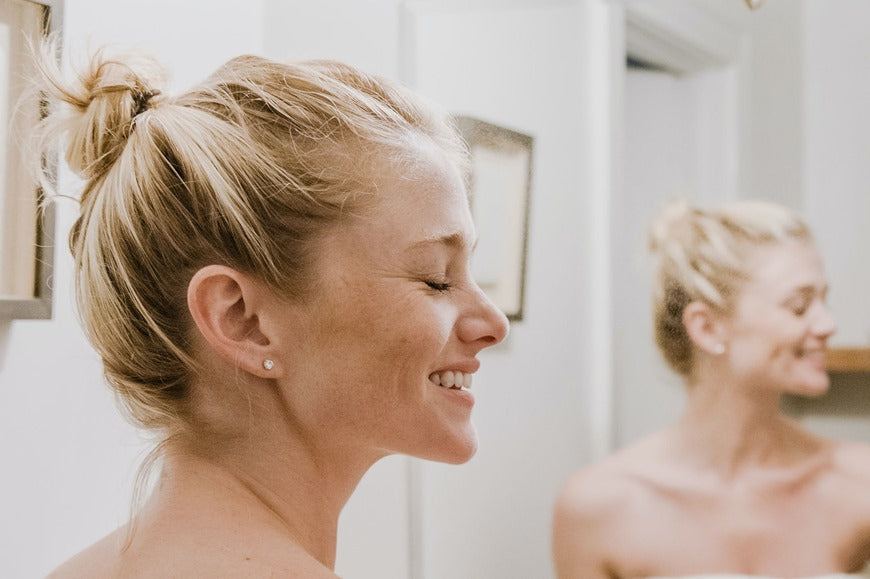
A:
[412,200]
[429,185]
[783,267]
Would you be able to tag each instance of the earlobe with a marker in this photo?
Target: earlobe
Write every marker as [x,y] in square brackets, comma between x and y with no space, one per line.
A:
[704,326]
[226,306]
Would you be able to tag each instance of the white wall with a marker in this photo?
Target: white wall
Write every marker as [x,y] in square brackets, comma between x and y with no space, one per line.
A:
[67,456]
[836,153]
[771,162]
[365,33]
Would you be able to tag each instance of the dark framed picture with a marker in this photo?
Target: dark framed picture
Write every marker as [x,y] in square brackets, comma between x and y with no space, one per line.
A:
[500,187]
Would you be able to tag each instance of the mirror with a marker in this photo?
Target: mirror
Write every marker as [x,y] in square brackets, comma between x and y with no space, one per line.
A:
[724,102]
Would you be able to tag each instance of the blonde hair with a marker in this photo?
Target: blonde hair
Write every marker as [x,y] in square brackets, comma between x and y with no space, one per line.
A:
[700,255]
[246,169]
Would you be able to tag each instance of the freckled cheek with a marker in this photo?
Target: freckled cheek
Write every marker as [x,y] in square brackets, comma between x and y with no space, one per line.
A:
[395,343]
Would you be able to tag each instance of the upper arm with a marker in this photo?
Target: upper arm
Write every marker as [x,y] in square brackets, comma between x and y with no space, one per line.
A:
[581,528]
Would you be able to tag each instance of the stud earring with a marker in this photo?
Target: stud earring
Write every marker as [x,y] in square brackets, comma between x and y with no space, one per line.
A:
[719,349]
[268,364]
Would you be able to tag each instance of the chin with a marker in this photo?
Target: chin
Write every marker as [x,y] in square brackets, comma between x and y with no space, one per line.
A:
[815,388]
[461,456]
[458,448]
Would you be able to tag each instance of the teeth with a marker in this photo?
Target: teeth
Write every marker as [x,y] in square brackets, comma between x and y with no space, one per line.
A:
[451,379]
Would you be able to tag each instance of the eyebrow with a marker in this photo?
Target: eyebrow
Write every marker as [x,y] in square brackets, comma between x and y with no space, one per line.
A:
[809,290]
[451,240]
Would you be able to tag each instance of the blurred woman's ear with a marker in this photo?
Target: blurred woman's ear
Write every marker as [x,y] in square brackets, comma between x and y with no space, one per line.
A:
[226,307]
[705,327]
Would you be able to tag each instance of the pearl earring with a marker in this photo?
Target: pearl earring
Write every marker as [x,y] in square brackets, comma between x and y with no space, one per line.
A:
[268,364]
[719,349]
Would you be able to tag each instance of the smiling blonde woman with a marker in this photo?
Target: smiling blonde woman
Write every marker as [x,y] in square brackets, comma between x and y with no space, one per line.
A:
[274,269]
[735,487]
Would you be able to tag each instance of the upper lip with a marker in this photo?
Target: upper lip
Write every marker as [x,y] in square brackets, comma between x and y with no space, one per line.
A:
[819,349]
[464,366]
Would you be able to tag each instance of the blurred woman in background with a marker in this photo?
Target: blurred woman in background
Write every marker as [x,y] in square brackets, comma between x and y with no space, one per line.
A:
[735,486]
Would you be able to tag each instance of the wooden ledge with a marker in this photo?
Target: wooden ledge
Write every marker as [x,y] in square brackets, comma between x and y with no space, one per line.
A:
[848,360]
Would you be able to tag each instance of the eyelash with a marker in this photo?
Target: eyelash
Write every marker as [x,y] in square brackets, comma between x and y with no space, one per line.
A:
[804,306]
[438,286]
[801,310]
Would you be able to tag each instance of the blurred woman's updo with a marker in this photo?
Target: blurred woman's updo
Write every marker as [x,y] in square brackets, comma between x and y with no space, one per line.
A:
[246,170]
[700,255]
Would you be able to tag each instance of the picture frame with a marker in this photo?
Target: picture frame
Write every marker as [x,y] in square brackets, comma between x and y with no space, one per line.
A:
[500,186]
[26,222]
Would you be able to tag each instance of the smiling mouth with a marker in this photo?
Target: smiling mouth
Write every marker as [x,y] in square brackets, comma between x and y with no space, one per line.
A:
[809,351]
[451,379]
[815,354]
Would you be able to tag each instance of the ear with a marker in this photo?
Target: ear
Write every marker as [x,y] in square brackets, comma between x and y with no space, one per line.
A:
[226,306]
[705,327]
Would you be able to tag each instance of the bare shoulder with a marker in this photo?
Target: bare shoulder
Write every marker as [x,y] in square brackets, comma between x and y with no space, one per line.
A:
[852,459]
[146,558]
[599,492]
[594,508]
[585,522]
[98,560]
[595,492]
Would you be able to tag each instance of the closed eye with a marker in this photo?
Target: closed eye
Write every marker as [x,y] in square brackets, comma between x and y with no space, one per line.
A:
[804,298]
[438,286]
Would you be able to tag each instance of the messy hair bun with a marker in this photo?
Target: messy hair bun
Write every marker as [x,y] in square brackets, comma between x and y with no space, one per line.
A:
[98,109]
[700,255]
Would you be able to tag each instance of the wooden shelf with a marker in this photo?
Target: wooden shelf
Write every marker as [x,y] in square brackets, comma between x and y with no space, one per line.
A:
[848,360]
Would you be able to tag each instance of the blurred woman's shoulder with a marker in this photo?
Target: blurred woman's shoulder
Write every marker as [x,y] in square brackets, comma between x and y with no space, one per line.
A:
[604,508]
[852,459]
[602,489]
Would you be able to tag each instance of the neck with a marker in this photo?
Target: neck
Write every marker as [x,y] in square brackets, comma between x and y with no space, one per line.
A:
[292,489]
[731,426]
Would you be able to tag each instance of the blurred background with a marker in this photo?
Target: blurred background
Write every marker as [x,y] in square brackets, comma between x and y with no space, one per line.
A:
[630,104]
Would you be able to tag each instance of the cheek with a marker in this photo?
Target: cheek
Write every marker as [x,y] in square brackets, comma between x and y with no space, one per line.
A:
[766,356]
[762,345]
[382,338]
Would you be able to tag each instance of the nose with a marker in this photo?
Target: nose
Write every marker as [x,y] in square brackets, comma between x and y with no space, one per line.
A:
[825,325]
[482,323]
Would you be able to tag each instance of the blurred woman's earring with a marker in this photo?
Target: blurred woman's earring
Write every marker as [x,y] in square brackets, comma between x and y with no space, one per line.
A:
[719,349]
[268,364]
